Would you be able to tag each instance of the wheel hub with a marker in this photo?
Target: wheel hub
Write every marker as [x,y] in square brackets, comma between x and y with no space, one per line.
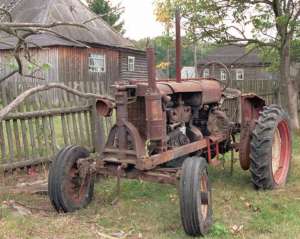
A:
[204,196]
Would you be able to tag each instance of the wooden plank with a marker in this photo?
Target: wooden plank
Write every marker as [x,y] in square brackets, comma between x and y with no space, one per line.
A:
[75,128]
[65,130]
[81,129]
[24,139]
[34,152]
[68,117]
[4,94]
[9,136]
[52,135]
[97,130]
[17,139]
[28,108]
[39,137]
[3,145]
[45,127]
[87,128]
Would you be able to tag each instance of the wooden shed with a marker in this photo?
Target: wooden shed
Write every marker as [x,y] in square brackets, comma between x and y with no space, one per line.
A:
[98,55]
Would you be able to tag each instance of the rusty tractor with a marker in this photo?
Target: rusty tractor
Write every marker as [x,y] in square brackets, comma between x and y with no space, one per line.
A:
[169,132]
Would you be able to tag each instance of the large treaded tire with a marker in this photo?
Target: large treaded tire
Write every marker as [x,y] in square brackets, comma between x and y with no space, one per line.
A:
[270,150]
[63,179]
[195,197]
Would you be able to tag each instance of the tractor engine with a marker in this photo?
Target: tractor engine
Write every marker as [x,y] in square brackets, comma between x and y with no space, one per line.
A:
[188,120]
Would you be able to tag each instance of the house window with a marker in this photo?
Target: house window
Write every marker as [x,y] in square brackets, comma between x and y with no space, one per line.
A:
[131,63]
[240,74]
[97,63]
[206,72]
[223,75]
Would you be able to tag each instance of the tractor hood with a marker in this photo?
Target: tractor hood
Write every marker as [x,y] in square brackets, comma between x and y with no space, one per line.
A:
[210,89]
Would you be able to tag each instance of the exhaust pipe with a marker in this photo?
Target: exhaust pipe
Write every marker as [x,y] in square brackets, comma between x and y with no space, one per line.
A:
[151,69]
[178,47]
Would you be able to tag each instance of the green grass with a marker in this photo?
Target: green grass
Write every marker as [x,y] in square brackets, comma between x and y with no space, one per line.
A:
[149,210]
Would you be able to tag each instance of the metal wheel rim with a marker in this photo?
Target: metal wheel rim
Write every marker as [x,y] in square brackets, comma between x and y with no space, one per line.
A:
[281,149]
[203,188]
[75,187]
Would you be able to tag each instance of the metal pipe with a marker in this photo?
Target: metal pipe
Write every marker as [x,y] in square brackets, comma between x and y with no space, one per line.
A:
[151,69]
[178,47]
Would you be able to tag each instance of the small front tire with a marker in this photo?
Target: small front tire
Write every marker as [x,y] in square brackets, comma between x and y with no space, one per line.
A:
[195,197]
[68,191]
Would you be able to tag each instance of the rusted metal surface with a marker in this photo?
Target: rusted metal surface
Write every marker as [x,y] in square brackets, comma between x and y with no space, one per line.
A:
[251,105]
[105,107]
[166,176]
[151,69]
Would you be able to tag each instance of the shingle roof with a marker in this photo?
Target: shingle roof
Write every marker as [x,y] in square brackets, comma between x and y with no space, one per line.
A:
[237,55]
[49,11]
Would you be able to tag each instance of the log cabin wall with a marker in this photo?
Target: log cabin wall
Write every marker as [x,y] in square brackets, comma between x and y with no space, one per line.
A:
[140,71]
[16,84]
[74,68]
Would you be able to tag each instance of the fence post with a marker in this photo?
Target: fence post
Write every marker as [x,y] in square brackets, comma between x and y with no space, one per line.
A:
[97,129]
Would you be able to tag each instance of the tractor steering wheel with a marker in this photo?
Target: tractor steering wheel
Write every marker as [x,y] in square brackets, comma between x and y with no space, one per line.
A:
[226,83]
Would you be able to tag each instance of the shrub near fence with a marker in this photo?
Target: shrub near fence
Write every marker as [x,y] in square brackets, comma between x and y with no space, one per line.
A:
[48,121]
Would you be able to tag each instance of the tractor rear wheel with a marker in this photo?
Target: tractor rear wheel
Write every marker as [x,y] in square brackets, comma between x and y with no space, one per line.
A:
[271,148]
[195,197]
[70,189]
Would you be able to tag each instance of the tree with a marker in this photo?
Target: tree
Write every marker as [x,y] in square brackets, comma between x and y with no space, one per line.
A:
[165,52]
[272,24]
[110,14]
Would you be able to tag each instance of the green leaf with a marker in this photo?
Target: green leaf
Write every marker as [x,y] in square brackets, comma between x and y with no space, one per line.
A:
[46,66]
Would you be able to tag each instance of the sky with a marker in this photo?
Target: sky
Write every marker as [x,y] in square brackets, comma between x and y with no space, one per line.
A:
[139,19]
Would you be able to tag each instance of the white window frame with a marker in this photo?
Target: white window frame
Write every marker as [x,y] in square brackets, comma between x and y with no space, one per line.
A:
[131,63]
[97,63]
[240,74]
[206,72]
[223,74]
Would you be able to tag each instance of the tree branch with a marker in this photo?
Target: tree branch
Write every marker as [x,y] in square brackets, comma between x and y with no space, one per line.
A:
[15,103]
[6,13]
[8,75]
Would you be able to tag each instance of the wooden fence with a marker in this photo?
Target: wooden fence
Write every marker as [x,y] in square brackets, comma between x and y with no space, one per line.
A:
[48,121]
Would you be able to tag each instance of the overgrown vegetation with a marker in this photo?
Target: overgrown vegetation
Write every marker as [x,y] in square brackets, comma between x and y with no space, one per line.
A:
[148,210]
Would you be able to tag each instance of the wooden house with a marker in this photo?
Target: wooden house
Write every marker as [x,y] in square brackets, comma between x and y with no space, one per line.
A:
[243,65]
[98,56]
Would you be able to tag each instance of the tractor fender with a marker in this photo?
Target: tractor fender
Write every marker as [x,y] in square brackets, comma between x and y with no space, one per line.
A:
[251,106]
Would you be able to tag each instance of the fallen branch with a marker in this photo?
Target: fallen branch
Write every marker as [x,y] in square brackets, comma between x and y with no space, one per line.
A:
[15,103]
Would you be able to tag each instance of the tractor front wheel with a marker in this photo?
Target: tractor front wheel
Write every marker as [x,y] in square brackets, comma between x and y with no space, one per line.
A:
[70,187]
[195,197]
[271,148]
